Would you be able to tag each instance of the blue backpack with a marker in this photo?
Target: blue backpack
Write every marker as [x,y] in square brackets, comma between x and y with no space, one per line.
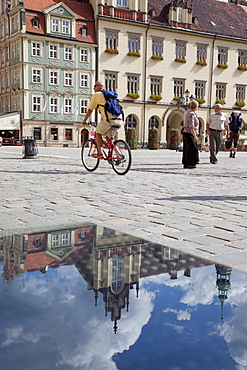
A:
[112,104]
[235,122]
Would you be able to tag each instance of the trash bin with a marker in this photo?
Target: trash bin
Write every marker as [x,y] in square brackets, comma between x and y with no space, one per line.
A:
[30,148]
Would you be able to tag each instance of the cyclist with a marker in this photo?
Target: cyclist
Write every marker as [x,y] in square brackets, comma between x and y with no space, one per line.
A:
[104,126]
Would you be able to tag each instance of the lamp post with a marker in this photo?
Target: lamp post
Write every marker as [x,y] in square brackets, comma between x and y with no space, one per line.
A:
[185,99]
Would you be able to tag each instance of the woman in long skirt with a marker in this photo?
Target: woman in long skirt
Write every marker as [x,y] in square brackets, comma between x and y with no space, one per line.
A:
[190,132]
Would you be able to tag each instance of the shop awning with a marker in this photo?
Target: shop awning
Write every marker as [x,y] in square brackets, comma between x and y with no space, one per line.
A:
[10,121]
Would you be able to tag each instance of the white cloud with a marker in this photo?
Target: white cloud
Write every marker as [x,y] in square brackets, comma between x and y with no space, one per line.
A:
[17,335]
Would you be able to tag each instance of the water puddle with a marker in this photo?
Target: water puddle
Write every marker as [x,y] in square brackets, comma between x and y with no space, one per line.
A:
[89,297]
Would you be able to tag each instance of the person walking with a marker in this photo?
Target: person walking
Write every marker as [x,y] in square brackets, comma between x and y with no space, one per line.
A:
[104,126]
[235,125]
[190,132]
[217,123]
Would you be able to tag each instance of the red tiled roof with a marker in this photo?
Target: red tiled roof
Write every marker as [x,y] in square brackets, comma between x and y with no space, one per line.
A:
[83,10]
[230,19]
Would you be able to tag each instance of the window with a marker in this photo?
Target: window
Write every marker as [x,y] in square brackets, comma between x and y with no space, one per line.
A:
[82,235]
[110,81]
[84,55]
[65,238]
[240,92]
[84,31]
[65,27]
[53,51]
[36,49]
[180,14]
[55,25]
[122,3]
[222,55]
[130,122]
[133,84]
[37,242]
[54,239]
[54,134]
[68,53]
[133,43]
[201,53]
[111,38]
[36,76]
[157,46]
[35,21]
[117,268]
[220,91]
[37,133]
[178,88]
[83,108]
[53,78]
[53,105]
[242,58]
[155,85]
[199,89]
[84,81]
[68,79]
[180,49]
[36,104]
[153,122]
[68,134]
[68,105]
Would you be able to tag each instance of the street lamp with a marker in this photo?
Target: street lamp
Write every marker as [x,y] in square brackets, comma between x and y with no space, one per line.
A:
[185,99]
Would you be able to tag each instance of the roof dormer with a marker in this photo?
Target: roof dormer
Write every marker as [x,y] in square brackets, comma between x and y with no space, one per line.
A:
[60,20]
[180,13]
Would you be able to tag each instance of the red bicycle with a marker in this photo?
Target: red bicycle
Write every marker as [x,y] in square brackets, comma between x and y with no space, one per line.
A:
[116,152]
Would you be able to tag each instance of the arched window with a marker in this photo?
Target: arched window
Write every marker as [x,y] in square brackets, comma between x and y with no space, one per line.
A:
[130,122]
[153,122]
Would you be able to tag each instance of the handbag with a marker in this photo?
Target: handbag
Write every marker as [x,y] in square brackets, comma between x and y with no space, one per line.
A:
[228,144]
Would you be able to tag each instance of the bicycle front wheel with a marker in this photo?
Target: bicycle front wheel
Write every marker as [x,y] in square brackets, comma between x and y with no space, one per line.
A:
[89,149]
[121,157]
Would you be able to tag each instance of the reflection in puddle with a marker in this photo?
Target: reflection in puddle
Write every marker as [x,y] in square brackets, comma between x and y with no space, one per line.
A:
[171,304]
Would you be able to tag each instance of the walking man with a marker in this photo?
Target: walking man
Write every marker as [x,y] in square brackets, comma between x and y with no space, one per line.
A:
[217,124]
[235,126]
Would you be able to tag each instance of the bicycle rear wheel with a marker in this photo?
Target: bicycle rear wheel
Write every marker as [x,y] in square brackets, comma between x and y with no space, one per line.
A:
[89,149]
[121,157]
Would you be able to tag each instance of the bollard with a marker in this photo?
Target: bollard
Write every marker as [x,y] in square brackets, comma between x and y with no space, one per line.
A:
[30,148]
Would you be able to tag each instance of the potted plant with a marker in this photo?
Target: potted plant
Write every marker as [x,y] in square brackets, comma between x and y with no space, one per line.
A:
[202,63]
[131,137]
[240,104]
[200,101]
[174,138]
[220,101]
[157,57]
[133,95]
[111,51]
[134,53]
[242,68]
[222,65]
[153,138]
[180,60]
[176,98]
[156,97]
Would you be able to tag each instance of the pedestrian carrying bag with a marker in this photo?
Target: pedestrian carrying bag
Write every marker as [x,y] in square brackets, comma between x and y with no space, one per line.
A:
[228,144]
[112,104]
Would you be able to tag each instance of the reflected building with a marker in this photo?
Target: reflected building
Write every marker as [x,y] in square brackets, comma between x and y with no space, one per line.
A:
[112,263]
[223,284]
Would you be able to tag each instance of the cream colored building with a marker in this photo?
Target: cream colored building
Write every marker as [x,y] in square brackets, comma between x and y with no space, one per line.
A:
[177,48]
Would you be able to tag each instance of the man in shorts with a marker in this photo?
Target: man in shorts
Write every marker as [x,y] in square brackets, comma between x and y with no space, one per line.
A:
[104,126]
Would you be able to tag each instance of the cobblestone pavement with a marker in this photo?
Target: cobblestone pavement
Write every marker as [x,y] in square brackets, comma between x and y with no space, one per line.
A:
[201,211]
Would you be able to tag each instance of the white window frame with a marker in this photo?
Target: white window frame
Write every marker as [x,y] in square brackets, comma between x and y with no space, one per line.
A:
[84,80]
[222,55]
[180,49]
[200,87]
[111,80]
[53,78]
[36,76]
[134,41]
[155,85]
[36,103]
[55,239]
[220,90]
[84,55]
[201,53]
[65,27]
[53,51]
[83,106]
[55,25]
[68,53]
[36,49]
[122,3]
[111,39]
[68,79]
[242,58]
[240,92]
[68,105]
[53,105]
[133,81]
[178,87]
[157,46]
[64,238]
